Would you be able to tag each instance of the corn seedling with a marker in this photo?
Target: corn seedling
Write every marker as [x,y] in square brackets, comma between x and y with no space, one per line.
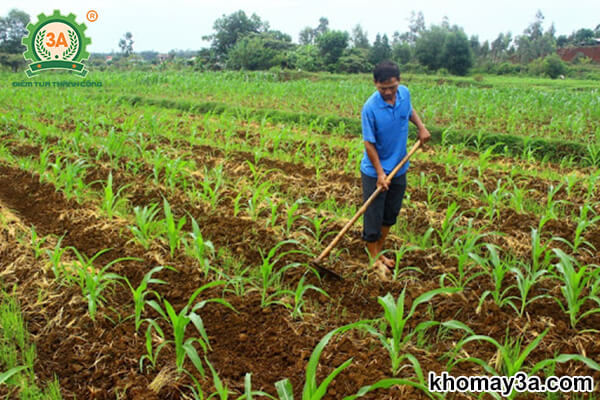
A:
[583,223]
[497,270]
[512,357]
[292,215]
[577,281]
[389,382]
[198,248]
[55,256]
[396,317]
[301,289]
[111,200]
[179,322]
[317,228]
[172,228]
[450,226]
[94,281]
[540,253]
[211,185]
[36,242]
[311,390]
[526,278]
[140,293]
[152,353]
[146,227]
[271,279]
[493,198]
[463,245]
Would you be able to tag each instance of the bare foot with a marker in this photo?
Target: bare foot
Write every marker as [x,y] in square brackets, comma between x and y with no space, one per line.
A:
[381,270]
[391,264]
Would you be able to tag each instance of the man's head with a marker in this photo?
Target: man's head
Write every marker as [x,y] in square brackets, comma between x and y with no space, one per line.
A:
[386,77]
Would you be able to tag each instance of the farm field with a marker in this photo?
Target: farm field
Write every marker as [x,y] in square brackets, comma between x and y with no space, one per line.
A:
[159,251]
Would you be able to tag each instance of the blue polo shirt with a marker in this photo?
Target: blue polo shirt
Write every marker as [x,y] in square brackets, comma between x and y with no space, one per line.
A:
[386,126]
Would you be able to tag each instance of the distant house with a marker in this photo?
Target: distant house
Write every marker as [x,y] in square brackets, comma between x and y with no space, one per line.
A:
[569,53]
[109,58]
[162,57]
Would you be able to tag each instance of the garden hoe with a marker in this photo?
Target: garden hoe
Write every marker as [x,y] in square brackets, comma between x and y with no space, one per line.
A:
[317,262]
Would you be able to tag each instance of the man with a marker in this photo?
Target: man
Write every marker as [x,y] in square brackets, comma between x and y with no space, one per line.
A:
[385,117]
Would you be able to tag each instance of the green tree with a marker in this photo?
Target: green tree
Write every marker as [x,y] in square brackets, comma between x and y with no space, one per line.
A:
[126,44]
[430,46]
[354,60]
[307,58]
[583,37]
[554,66]
[534,42]
[457,56]
[260,51]
[230,28]
[331,45]
[380,50]
[500,46]
[416,27]
[309,35]
[359,38]
[401,53]
[12,30]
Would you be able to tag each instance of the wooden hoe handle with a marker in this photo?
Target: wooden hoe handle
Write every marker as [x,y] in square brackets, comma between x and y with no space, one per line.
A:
[366,204]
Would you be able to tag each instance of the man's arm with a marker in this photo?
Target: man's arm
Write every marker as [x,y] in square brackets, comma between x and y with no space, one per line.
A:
[424,134]
[374,157]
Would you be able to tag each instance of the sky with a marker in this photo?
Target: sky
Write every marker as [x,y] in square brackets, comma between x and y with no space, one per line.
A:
[181,24]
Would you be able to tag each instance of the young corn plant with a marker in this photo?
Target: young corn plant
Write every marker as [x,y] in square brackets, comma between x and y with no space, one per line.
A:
[583,223]
[152,353]
[55,257]
[270,278]
[517,197]
[450,226]
[526,277]
[140,293]
[112,201]
[198,248]
[512,357]
[396,316]
[212,185]
[221,390]
[497,269]
[179,322]
[172,228]
[494,199]
[257,203]
[94,281]
[552,204]
[312,390]
[463,245]
[292,215]
[317,228]
[147,227]
[541,254]
[36,243]
[579,285]
[299,293]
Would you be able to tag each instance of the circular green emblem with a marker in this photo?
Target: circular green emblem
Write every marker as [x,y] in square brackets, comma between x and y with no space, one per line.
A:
[56,42]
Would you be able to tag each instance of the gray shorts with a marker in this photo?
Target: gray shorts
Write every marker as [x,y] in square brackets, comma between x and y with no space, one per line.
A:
[384,210]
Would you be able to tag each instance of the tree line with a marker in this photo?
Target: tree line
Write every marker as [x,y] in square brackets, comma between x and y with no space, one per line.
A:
[246,42]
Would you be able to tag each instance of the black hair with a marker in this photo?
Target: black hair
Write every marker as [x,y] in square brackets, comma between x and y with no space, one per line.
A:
[386,70]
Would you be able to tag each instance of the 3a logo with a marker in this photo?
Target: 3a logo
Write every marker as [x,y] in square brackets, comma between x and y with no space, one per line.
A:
[56,42]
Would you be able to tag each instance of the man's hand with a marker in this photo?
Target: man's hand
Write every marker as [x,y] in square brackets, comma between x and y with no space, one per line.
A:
[424,135]
[382,182]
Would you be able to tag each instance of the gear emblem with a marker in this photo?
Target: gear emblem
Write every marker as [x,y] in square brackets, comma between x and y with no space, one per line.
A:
[56,42]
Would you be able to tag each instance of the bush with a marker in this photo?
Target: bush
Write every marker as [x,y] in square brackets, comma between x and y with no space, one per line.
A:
[553,66]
